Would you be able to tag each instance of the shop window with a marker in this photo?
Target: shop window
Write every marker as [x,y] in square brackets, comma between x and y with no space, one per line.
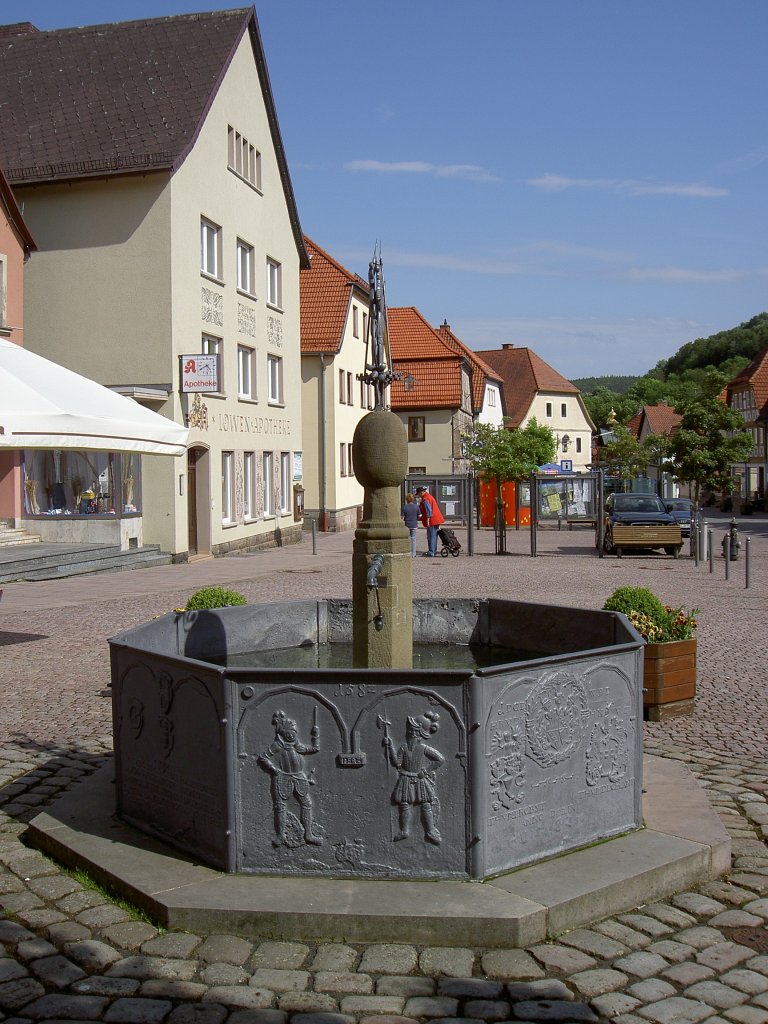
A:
[285,482]
[249,485]
[267,467]
[227,487]
[416,428]
[70,482]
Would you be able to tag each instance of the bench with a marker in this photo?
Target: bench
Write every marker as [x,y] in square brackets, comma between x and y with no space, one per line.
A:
[668,537]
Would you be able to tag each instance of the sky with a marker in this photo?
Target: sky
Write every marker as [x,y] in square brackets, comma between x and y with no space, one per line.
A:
[584,178]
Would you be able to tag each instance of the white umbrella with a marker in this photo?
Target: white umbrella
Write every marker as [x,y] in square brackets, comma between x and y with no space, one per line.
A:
[44,405]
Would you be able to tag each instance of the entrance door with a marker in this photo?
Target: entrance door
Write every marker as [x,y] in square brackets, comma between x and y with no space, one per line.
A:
[192,454]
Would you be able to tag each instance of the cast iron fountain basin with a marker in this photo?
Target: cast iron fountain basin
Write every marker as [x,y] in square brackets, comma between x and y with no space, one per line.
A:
[390,773]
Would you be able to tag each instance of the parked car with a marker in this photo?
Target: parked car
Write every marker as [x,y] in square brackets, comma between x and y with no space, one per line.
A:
[683,511]
[640,521]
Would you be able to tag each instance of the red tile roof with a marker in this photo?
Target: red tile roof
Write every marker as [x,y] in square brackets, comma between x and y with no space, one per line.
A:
[524,374]
[325,292]
[661,419]
[634,424]
[121,98]
[480,371]
[419,352]
[754,376]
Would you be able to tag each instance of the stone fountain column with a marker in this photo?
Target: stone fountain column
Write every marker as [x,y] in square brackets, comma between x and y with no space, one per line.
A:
[382,616]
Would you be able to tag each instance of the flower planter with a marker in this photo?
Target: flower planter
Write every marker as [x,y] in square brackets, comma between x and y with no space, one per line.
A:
[669,679]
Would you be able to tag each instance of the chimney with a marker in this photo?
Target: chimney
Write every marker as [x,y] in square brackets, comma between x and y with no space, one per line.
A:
[507,344]
[445,326]
[20,28]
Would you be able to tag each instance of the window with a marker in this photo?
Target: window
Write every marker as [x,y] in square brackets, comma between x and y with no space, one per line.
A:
[343,459]
[249,484]
[491,398]
[246,280]
[578,444]
[365,325]
[285,482]
[246,373]
[274,283]
[227,487]
[549,409]
[275,373]
[416,429]
[342,388]
[355,323]
[350,467]
[563,410]
[350,389]
[210,248]
[267,464]
[243,158]
[212,346]
[417,470]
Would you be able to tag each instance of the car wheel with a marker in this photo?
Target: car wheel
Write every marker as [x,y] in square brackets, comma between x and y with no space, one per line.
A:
[607,543]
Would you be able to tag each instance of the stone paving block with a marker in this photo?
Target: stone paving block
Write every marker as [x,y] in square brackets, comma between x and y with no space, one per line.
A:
[135,1010]
[598,981]
[724,955]
[546,988]
[34,949]
[17,992]
[722,997]
[257,1017]
[92,954]
[278,980]
[65,1007]
[42,918]
[700,937]
[239,995]
[735,919]
[759,883]
[325,1018]
[335,956]
[747,1015]
[348,982]
[144,967]
[697,904]
[102,916]
[282,955]
[669,915]
[83,899]
[129,934]
[10,883]
[56,971]
[377,1004]
[594,943]
[14,902]
[486,1009]
[172,988]
[53,887]
[642,964]
[629,937]
[430,1007]
[388,958]
[688,973]
[406,985]
[230,949]
[676,1010]
[726,892]
[555,1010]
[175,945]
[562,958]
[650,990]
[761,1000]
[311,1002]
[746,980]
[470,988]
[509,963]
[10,970]
[97,985]
[758,907]
[757,963]
[647,924]
[67,931]
[612,1004]
[672,950]
[198,1013]
[451,962]
[224,974]
[13,933]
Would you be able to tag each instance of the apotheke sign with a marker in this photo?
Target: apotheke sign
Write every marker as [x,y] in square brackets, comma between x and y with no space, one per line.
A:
[199,373]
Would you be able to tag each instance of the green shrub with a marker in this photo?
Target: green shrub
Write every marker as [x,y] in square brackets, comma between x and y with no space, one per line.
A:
[655,622]
[214,597]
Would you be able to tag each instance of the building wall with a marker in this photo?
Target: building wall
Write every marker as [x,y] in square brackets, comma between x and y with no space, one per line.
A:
[11,320]
[431,456]
[492,411]
[547,409]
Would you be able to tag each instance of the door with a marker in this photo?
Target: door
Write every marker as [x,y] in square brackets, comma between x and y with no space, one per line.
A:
[192,454]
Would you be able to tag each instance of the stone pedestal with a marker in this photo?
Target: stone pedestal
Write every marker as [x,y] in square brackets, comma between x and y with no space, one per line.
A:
[382,617]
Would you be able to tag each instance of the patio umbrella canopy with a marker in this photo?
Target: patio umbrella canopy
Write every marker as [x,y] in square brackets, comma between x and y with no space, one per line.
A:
[44,405]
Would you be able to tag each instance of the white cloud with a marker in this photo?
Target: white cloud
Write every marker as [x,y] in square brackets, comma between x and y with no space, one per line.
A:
[470,172]
[688,275]
[628,186]
[437,261]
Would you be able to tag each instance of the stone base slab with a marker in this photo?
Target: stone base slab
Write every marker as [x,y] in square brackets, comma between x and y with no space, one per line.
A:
[683,843]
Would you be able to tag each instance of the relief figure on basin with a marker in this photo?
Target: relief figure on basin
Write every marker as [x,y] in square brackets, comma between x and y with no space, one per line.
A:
[284,760]
[416,764]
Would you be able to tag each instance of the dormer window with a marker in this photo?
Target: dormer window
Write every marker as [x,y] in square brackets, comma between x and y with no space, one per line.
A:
[243,158]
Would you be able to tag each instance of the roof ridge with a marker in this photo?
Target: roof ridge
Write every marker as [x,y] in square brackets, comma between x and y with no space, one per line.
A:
[132,22]
[350,274]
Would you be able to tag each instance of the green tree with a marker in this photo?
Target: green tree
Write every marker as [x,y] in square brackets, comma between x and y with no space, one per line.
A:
[709,440]
[624,456]
[602,402]
[501,455]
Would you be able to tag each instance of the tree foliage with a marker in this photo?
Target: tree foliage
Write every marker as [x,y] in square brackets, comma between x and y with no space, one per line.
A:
[624,456]
[744,342]
[502,455]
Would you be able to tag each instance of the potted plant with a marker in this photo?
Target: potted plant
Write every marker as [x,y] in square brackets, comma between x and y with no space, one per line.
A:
[669,670]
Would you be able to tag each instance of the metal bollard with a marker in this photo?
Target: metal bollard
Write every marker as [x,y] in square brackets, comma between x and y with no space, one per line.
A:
[747,579]
[314,536]
[727,555]
[711,551]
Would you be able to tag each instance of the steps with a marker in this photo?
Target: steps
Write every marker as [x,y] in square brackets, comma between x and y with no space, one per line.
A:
[13,536]
[41,561]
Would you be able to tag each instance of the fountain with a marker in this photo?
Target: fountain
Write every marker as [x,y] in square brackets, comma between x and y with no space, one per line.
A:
[298,738]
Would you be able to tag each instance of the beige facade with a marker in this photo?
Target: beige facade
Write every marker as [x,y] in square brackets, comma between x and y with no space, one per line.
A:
[135,272]
[569,421]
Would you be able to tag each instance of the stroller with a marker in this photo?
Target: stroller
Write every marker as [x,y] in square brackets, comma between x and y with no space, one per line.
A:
[450,544]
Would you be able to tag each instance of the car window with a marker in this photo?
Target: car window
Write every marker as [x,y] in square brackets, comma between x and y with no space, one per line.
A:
[637,503]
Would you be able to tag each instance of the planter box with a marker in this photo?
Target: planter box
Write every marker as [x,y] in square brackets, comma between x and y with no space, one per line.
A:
[669,679]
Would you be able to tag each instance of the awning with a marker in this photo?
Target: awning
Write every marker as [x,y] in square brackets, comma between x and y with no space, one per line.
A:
[44,405]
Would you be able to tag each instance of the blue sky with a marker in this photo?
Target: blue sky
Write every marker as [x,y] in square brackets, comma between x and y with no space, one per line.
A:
[586,178]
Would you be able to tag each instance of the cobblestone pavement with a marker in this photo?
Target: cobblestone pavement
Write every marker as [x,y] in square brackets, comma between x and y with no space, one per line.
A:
[70,952]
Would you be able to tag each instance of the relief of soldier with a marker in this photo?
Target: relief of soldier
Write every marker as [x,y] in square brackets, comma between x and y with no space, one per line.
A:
[416,764]
[284,760]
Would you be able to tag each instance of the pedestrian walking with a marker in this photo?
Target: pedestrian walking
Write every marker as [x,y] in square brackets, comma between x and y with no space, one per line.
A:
[431,517]
[410,514]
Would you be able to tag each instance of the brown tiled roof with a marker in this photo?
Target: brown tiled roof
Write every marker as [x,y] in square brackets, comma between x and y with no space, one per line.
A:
[634,424]
[325,290]
[524,374]
[15,219]
[121,98]
[661,419]
[480,371]
[419,352]
[755,376]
